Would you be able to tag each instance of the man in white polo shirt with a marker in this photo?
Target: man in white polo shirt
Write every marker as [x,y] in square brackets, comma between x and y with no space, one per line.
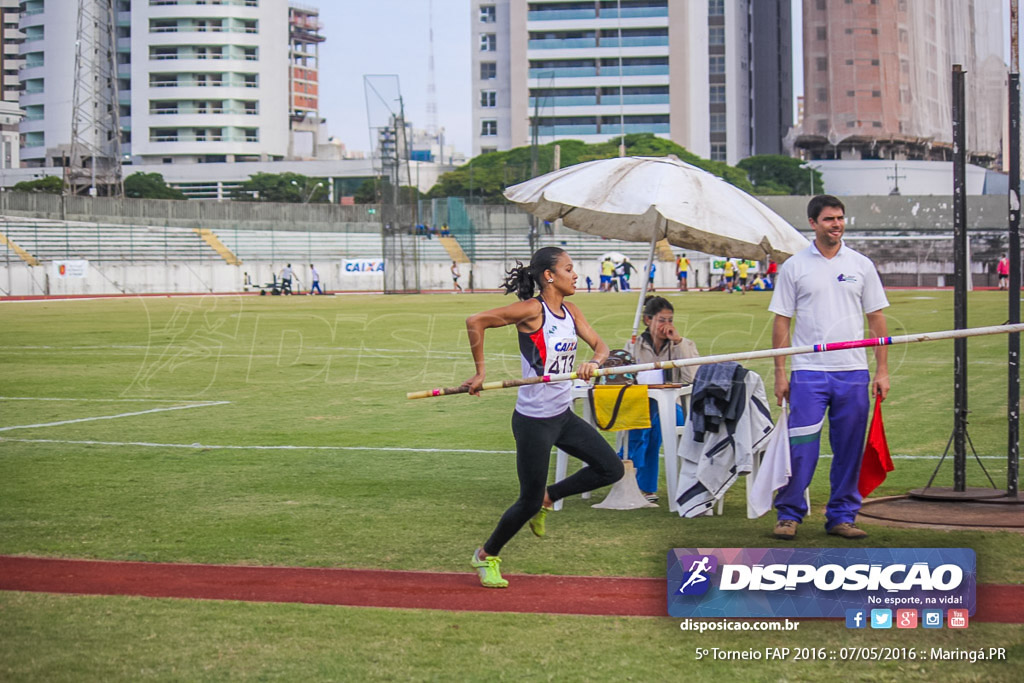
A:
[828,288]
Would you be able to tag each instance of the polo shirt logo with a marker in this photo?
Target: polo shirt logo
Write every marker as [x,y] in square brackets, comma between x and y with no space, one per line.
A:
[846,278]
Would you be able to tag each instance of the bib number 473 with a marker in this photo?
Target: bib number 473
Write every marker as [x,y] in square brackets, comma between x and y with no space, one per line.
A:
[561,364]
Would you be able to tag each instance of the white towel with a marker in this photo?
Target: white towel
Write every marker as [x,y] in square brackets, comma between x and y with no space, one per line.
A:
[774,471]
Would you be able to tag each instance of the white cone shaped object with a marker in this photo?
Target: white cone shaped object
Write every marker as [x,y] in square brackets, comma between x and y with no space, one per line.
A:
[625,494]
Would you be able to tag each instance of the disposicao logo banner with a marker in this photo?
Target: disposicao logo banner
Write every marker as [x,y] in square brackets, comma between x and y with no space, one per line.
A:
[817,582]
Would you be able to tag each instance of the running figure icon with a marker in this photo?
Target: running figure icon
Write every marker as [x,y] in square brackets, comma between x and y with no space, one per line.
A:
[697,570]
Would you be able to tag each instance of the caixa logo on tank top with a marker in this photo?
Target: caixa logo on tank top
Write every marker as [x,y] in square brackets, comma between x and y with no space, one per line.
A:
[846,278]
[816,582]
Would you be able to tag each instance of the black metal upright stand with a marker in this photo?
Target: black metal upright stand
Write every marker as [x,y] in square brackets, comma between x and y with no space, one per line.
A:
[960,275]
[961,271]
[1013,388]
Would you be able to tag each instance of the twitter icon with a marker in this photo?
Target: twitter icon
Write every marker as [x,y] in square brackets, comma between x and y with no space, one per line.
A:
[881,618]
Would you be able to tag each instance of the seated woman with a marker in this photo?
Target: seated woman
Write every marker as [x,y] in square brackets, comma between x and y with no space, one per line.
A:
[659,342]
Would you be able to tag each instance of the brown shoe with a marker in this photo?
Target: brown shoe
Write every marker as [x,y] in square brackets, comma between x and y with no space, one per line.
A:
[848,531]
[785,529]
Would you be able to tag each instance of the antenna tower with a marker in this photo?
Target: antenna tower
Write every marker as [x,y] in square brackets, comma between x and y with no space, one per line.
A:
[93,165]
[431,81]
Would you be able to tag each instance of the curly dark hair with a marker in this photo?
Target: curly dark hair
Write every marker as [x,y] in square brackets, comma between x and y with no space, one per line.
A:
[521,280]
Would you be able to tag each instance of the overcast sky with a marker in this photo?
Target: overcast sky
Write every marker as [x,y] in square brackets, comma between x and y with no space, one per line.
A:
[367,37]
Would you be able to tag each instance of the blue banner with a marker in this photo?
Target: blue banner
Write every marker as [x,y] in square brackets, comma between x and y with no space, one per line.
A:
[817,582]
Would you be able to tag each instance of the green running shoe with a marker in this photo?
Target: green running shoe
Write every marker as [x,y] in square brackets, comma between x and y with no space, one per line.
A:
[490,574]
[537,522]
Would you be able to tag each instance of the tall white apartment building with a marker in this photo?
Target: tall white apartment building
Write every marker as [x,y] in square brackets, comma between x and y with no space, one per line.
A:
[11,62]
[47,80]
[11,38]
[208,80]
[693,71]
[199,80]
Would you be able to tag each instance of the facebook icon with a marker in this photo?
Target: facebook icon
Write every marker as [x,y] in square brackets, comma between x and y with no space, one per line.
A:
[856,618]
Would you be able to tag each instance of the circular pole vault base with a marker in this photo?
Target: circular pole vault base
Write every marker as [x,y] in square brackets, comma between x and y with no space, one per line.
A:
[948,493]
[909,511]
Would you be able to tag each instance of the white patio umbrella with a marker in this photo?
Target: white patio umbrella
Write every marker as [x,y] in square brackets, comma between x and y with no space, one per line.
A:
[646,199]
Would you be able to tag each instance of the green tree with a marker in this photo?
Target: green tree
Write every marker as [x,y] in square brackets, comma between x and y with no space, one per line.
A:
[51,184]
[484,178]
[778,174]
[292,188]
[150,186]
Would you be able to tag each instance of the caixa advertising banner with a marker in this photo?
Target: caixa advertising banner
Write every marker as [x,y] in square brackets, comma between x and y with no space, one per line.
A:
[817,582]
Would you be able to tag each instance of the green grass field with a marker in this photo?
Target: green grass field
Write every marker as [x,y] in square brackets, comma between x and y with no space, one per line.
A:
[357,476]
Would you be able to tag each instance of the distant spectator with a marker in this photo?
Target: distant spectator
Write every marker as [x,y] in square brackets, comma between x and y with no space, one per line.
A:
[683,270]
[627,270]
[455,276]
[1003,270]
[607,270]
[729,271]
[286,279]
[773,268]
[314,275]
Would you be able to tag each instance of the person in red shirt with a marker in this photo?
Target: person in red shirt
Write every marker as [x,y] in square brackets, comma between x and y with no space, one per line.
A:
[1003,270]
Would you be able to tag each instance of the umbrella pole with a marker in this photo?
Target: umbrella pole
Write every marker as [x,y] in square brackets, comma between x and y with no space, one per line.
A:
[643,289]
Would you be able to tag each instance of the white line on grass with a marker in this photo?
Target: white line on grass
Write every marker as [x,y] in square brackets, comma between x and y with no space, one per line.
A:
[385,449]
[199,446]
[114,417]
[431,353]
[102,400]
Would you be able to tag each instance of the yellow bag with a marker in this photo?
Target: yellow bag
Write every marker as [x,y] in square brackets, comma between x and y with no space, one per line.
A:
[618,407]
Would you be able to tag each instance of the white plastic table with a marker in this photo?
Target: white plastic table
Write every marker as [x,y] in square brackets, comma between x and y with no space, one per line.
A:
[666,396]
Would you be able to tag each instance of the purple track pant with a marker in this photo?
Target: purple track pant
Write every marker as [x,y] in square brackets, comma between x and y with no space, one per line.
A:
[845,396]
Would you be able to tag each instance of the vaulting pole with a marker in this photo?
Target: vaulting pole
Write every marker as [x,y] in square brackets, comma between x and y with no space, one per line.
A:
[742,355]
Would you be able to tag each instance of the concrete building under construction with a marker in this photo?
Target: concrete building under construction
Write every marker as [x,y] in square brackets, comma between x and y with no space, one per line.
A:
[877,81]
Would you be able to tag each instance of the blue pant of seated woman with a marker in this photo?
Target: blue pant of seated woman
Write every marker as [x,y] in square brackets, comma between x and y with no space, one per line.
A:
[644,446]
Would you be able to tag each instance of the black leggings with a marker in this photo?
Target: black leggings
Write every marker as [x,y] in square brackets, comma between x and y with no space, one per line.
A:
[534,438]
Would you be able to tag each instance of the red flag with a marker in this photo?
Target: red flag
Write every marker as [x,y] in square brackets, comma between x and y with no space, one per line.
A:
[876,461]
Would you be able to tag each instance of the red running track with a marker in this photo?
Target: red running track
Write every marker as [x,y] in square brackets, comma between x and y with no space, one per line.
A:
[612,596]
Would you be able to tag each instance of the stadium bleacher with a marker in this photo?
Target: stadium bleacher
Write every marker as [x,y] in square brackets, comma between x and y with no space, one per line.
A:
[50,241]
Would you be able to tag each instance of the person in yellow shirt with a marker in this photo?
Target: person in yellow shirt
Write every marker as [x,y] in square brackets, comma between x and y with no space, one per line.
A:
[683,270]
[607,269]
[730,275]
[743,268]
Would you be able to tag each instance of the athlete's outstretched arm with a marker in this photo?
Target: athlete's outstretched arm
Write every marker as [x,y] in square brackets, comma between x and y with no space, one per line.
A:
[525,315]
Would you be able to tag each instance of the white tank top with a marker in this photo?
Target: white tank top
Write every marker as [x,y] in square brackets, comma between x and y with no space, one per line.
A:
[550,350]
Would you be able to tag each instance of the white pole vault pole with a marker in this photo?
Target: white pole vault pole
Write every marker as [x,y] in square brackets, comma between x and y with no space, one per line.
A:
[742,355]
